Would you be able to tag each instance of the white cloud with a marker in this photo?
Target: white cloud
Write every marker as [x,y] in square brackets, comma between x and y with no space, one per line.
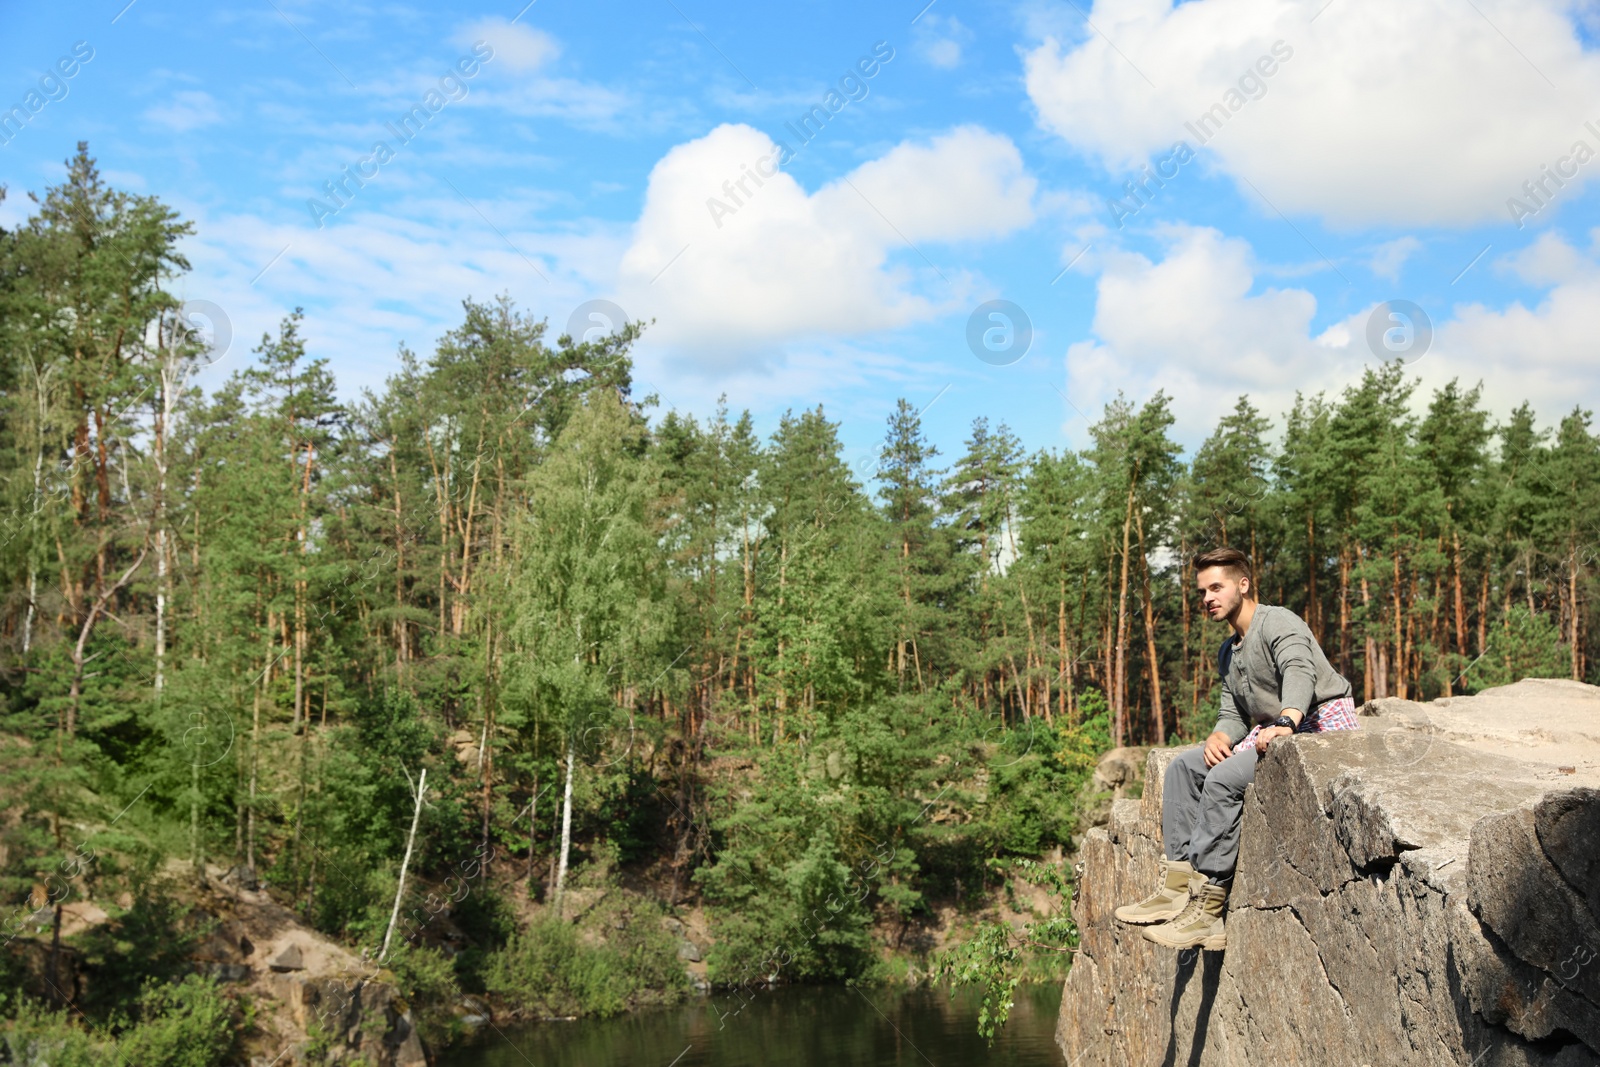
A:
[1415,113]
[1189,324]
[1550,260]
[1390,256]
[523,50]
[516,45]
[560,98]
[727,268]
[1193,325]
[189,109]
[1544,354]
[783,284]
[375,278]
[939,40]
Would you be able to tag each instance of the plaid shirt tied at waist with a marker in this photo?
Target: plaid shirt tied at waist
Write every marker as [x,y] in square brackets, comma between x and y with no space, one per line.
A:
[1336,714]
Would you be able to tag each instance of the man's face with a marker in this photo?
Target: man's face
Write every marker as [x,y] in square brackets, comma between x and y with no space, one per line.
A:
[1221,592]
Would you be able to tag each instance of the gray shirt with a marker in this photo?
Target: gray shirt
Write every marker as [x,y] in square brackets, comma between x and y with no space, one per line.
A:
[1277,665]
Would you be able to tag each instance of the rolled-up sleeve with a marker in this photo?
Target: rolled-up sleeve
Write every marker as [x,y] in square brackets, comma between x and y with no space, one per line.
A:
[1297,670]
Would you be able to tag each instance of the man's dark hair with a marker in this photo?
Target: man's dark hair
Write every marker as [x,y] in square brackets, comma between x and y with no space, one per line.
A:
[1236,562]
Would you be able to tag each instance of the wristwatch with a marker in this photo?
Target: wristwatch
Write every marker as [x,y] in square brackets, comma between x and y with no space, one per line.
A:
[1284,720]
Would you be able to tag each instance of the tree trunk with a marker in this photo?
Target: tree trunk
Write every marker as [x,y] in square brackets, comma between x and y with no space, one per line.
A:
[400,625]
[566,828]
[1033,645]
[486,756]
[1345,665]
[300,589]
[1399,621]
[33,529]
[1461,603]
[1313,603]
[405,862]
[1064,678]
[533,830]
[1374,681]
[194,819]
[1572,599]
[1150,640]
[78,661]
[163,412]
[442,500]
[1440,635]
[1483,611]
[1119,697]
[53,971]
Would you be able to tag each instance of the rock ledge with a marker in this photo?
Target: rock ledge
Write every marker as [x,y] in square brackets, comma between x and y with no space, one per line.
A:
[1426,890]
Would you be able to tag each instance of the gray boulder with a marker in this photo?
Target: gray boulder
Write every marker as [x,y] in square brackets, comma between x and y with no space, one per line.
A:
[1424,890]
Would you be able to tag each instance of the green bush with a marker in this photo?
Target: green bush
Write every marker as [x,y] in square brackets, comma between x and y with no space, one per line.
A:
[149,942]
[486,919]
[191,1023]
[557,969]
[187,1024]
[810,925]
[32,1034]
[426,980]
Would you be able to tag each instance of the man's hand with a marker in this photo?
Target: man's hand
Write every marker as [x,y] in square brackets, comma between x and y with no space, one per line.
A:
[1218,748]
[1266,736]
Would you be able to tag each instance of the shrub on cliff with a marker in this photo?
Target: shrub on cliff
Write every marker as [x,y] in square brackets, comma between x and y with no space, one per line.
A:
[426,979]
[191,1023]
[188,1024]
[620,958]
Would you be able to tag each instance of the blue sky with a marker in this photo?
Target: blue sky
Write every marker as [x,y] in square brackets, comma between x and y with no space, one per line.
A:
[1356,154]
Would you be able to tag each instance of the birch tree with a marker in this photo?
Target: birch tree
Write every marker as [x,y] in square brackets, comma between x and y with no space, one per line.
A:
[582,589]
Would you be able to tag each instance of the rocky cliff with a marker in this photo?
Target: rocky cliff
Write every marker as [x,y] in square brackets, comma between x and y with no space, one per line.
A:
[1425,890]
[314,1001]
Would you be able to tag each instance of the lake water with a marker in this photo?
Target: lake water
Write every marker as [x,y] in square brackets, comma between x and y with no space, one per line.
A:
[790,1027]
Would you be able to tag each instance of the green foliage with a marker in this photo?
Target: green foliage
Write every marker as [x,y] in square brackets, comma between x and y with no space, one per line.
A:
[32,1034]
[188,1023]
[1081,746]
[1196,723]
[185,1024]
[802,919]
[487,920]
[147,946]
[1526,646]
[426,980]
[1032,801]
[994,957]
[620,958]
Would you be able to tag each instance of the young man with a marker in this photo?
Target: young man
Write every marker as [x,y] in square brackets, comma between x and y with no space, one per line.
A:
[1274,673]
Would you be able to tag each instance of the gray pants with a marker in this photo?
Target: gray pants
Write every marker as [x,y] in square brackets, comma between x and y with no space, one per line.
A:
[1201,807]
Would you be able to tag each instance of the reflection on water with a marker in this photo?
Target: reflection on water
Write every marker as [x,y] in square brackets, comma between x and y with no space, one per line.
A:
[786,1028]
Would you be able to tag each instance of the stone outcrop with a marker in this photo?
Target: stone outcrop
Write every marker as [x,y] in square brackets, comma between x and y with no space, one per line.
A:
[1424,890]
[356,1021]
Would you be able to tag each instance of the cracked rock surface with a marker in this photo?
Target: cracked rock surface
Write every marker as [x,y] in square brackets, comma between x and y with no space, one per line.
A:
[1423,890]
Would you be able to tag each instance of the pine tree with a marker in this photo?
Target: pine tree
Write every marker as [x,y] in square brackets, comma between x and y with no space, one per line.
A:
[920,548]
[1454,439]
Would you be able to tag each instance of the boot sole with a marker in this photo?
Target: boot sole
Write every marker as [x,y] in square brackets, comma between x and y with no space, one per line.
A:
[1149,918]
[1215,942]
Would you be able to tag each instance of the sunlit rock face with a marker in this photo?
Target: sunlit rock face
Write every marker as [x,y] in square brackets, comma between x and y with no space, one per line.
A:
[1424,890]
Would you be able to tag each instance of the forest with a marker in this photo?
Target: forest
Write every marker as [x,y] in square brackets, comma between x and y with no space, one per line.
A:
[750,674]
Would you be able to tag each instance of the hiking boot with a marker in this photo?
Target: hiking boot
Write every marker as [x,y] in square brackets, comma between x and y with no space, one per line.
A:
[1167,902]
[1200,923]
